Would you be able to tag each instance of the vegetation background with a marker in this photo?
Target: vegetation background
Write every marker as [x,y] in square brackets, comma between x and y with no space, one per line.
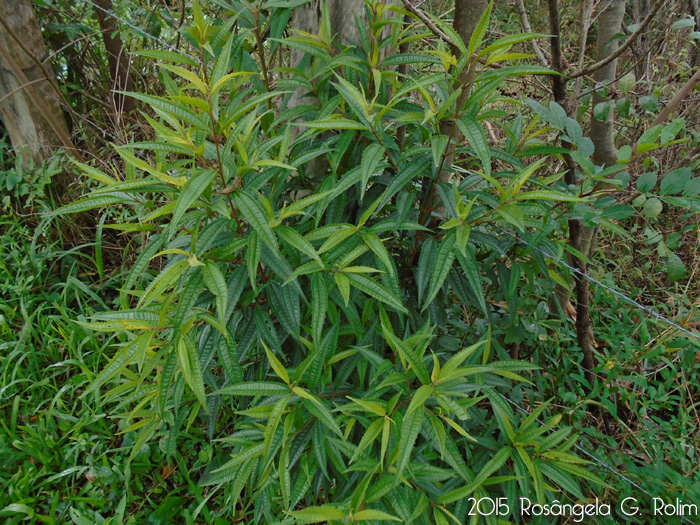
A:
[293,261]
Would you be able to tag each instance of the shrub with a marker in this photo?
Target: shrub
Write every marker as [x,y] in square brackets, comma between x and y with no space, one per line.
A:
[337,346]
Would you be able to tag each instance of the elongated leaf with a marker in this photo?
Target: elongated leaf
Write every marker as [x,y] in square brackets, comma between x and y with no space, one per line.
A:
[442,265]
[276,365]
[471,269]
[292,237]
[188,359]
[335,123]
[161,283]
[254,213]
[254,388]
[190,193]
[179,111]
[409,355]
[321,412]
[372,288]
[496,462]
[319,304]
[404,176]
[474,133]
[480,30]
[322,514]
[90,203]
[371,515]
[119,361]
[420,397]
[412,424]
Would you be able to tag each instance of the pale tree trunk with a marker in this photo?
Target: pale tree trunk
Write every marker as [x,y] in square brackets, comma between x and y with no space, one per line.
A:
[117,58]
[307,18]
[29,101]
[602,133]
[694,6]
[466,17]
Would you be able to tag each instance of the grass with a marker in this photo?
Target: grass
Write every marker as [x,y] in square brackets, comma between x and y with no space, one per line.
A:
[63,458]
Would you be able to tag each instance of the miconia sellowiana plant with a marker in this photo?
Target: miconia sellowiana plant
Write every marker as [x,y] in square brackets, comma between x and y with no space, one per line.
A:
[335,332]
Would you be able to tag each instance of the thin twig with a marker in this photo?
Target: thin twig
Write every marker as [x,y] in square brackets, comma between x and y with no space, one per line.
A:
[428,22]
[528,29]
[612,56]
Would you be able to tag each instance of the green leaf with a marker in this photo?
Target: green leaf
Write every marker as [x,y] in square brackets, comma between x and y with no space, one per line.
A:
[471,269]
[161,283]
[371,158]
[675,267]
[548,196]
[319,304]
[276,365]
[513,214]
[190,193]
[292,237]
[480,30]
[90,203]
[253,255]
[254,388]
[122,358]
[671,130]
[343,284]
[495,463]
[409,355]
[618,211]
[334,123]
[354,98]
[646,182]
[683,23]
[675,181]
[372,288]
[368,438]
[441,266]
[474,133]
[371,515]
[403,177]
[420,397]
[648,138]
[216,283]
[188,359]
[315,514]
[179,111]
[321,412]
[254,213]
[412,424]
[653,208]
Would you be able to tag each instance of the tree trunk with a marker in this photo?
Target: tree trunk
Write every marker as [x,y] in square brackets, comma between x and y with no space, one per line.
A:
[602,133]
[344,31]
[467,16]
[117,58]
[29,101]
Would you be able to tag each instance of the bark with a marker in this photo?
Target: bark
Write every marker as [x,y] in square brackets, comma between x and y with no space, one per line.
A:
[528,29]
[307,18]
[29,102]
[683,92]
[584,330]
[466,17]
[117,57]
[602,133]
[694,6]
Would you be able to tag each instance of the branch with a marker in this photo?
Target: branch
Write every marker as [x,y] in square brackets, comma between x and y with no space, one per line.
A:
[439,32]
[428,22]
[528,29]
[594,67]
[39,102]
[677,99]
